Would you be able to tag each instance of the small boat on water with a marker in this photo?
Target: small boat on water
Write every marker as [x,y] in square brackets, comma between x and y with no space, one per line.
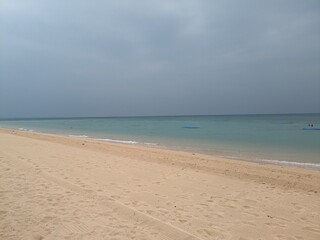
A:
[191,127]
[310,128]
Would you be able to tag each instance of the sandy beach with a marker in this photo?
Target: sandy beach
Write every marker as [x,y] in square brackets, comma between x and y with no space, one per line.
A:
[56,187]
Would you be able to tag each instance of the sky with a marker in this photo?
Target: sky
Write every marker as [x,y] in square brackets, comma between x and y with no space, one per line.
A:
[80,58]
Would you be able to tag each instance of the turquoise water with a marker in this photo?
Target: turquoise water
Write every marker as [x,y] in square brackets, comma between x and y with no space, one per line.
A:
[270,138]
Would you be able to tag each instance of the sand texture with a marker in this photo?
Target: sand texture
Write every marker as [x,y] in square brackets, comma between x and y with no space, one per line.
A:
[54,187]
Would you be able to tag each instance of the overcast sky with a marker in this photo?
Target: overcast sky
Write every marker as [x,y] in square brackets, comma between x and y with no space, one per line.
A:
[142,57]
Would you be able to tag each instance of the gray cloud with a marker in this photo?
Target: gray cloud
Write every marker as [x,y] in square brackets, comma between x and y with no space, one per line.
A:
[75,58]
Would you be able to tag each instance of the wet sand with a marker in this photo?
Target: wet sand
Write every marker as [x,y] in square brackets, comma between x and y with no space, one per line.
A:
[55,187]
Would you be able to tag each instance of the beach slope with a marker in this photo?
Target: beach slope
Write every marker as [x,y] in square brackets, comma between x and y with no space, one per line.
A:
[55,187]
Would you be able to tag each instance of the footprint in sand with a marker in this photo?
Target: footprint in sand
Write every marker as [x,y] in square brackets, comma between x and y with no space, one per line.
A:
[275,225]
[312,229]
[182,220]
[37,237]
[75,228]
[249,223]
[281,237]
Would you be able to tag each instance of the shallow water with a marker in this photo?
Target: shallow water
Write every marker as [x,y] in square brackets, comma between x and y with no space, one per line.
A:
[268,138]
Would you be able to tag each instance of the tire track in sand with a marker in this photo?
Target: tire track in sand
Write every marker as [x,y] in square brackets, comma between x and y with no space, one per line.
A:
[167,230]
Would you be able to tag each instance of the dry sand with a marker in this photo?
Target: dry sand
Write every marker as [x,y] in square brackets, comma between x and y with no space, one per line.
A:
[54,187]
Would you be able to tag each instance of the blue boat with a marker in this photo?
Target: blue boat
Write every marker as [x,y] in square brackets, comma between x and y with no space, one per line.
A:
[191,127]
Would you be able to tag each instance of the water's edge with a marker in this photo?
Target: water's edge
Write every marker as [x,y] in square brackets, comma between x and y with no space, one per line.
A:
[306,165]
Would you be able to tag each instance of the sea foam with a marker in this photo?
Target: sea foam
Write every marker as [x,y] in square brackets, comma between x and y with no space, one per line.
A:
[116,140]
[150,144]
[78,136]
[25,129]
[298,164]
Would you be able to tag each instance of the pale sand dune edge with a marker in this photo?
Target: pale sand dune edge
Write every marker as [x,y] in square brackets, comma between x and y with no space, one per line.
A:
[55,187]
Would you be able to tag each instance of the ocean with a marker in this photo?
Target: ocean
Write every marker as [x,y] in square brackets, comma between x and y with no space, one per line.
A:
[278,139]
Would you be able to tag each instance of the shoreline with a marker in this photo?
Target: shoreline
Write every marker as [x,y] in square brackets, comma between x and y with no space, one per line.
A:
[94,144]
[57,187]
[304,165]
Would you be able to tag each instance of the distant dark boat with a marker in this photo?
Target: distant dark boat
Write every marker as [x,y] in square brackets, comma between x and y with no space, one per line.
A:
[191,127]
[310,128]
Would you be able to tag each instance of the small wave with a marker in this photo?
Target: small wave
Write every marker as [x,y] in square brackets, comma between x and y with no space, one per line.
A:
[299,164]
[150,144]
[78,136]
[25,129]
[117,141]
[276,162]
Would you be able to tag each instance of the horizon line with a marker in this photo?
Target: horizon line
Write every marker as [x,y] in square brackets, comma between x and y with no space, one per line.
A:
[137,116]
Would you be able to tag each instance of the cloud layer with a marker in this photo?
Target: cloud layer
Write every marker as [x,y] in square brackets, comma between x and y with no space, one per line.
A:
[106,58]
